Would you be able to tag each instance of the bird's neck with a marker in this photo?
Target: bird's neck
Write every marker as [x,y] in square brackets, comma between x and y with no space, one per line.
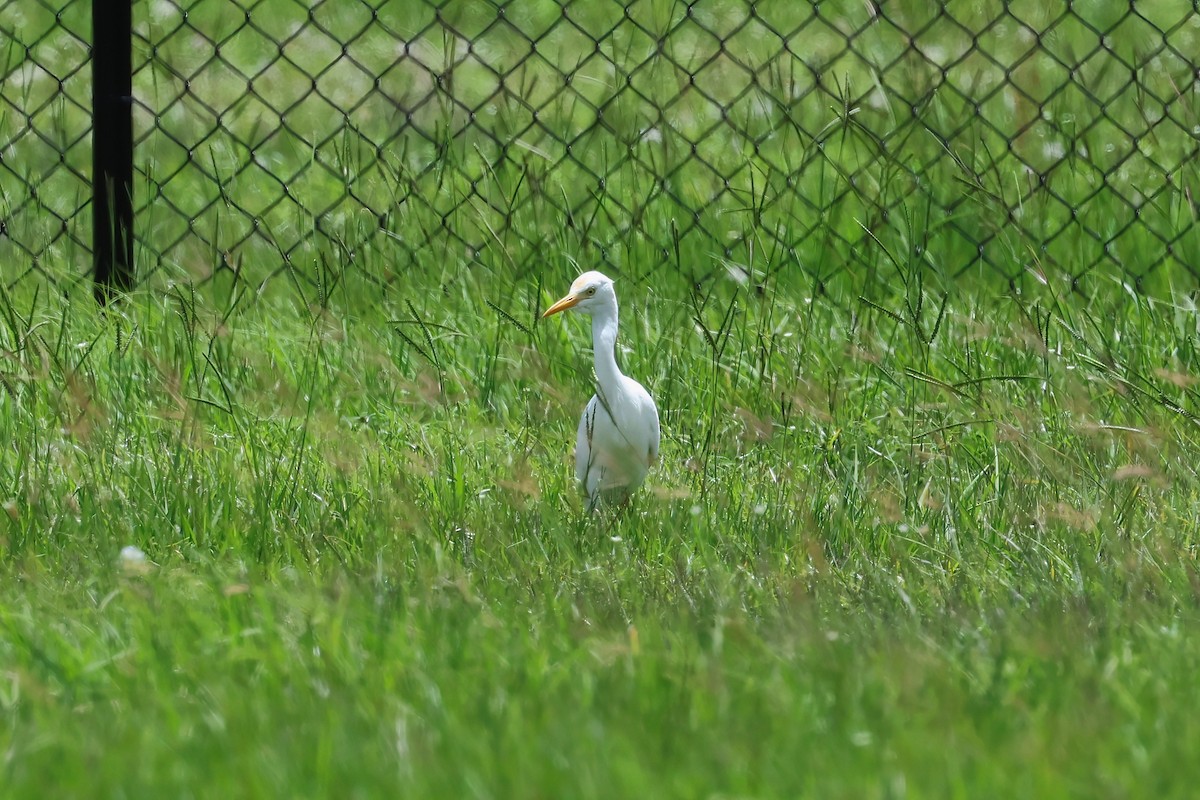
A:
[604,346]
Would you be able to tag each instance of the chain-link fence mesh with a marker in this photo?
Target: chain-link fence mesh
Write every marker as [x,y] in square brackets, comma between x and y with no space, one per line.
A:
[45,138]
[1011,136]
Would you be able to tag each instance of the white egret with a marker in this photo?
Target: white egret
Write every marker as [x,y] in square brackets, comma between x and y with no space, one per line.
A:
[617,440]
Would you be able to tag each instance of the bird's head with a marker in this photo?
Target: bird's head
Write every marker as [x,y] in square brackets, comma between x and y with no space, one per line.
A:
[590,291]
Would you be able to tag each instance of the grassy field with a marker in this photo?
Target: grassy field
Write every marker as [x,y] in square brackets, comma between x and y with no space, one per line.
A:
[889,552]
[925,523]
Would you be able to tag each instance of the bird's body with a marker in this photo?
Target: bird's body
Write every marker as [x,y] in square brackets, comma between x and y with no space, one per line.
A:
[618,436]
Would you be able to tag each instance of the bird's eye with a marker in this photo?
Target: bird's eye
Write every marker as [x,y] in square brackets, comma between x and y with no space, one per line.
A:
[591,291]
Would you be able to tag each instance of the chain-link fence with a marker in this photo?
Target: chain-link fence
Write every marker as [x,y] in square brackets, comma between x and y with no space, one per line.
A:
[276,135]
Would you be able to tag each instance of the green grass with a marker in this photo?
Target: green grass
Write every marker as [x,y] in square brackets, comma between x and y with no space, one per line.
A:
[919,530]
[879,558]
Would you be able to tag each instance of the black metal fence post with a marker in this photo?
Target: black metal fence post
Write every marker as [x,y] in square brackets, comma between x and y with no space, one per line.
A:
[112,147]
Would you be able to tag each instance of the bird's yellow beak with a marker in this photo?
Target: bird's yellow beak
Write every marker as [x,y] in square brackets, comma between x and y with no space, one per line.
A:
[562,305]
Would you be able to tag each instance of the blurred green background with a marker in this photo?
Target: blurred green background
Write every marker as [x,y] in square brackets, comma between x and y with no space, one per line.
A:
[999,138]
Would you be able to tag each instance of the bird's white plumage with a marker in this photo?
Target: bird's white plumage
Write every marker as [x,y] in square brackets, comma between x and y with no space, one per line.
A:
[618,436]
